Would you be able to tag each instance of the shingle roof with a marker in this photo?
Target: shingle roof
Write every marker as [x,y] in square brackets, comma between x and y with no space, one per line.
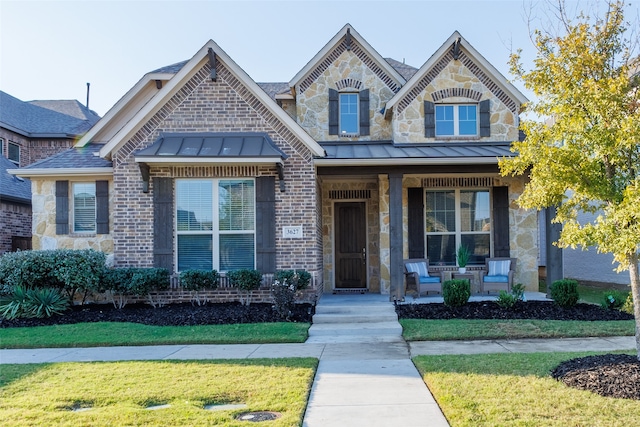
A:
[212,145]
[13,188]
[273,89]
[70,107]
[406,71]
[171,69]
[382,150]
[32,120]
[82,157]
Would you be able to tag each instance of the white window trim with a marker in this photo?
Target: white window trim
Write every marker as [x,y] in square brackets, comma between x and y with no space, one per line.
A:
[72,210]
[456,120]
[458,233]
[215,231]
[357,132]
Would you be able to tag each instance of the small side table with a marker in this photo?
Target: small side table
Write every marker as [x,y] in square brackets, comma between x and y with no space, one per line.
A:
[467,276]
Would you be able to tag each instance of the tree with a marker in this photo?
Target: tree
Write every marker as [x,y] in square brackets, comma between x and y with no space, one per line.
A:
[582,149]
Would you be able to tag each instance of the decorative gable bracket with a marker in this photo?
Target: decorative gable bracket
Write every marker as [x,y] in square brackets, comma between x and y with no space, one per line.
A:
[212,64]
[455,49]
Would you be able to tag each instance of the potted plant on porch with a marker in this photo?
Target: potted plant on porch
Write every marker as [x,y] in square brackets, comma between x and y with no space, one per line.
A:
[462,255]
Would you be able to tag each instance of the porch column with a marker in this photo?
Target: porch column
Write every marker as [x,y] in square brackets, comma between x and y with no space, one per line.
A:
[395,237]
[555,270]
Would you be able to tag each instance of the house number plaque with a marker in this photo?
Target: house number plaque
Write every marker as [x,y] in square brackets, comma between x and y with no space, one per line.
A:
[292,232]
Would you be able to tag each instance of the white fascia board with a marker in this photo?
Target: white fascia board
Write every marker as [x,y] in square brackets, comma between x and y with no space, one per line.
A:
[408,161]
[382,63]
[176,160]
[510,89]
[178,80]
[75,172]
[113,111]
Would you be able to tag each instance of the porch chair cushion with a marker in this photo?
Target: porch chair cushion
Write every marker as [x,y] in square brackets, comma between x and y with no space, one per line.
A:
[418,267]
[499,268]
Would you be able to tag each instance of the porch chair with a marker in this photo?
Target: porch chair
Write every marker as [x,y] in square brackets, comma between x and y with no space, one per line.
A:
[416,272]
[498,274]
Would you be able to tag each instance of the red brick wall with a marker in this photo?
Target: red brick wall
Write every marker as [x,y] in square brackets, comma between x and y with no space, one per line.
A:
[221,106]
[32,150]
[16,221]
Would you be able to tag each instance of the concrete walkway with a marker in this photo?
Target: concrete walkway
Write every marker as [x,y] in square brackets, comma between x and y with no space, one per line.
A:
[360,380]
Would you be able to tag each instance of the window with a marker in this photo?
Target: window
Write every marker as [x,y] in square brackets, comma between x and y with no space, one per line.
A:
[1,147]
[84,207]
[454,120]
[348,113]
[13,153]
[455,217]
[215,224]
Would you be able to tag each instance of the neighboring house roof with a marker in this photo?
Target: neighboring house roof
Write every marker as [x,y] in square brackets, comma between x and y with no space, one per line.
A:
[368,53]
[223,147]
[40,119]
[374,152]
[486,72]
[273,89]
[13,188]
[407,71]
[132,120]
[78,161]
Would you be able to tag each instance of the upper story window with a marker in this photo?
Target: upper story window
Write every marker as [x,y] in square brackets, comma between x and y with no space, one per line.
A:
[457,120]
[453,120]
[349,113]
[13,152]
[1,147]
[84,207]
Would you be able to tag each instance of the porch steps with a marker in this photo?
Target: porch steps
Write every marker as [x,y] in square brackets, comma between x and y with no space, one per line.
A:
[355,319]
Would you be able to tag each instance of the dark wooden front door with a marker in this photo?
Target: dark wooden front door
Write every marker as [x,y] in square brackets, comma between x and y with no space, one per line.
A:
[351,244]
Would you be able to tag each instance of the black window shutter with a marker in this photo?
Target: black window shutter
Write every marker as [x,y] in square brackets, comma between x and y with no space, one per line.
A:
[163,223]
[102,207]
[333,112]
[364,112]
[485,118]
[501,222]
[62,207]
[429,119]
[266,224]
[415,216]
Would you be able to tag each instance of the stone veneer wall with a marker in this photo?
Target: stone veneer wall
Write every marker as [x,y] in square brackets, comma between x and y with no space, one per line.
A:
[523,228]
[313,102]
[373,227]
[225,105]
[408,122]
[44,222]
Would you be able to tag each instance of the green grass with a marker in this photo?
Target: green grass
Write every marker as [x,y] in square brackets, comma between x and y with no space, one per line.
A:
[462,329]
[119,393]
[516,390]
[120,333]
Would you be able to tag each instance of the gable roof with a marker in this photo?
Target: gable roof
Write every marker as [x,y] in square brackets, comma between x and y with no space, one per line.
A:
[12,188]
[76,161]
[138,117]
[40,119]
[335,46]
[486,72]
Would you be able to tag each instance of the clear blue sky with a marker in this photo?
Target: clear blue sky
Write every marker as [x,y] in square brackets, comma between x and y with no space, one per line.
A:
[51,49]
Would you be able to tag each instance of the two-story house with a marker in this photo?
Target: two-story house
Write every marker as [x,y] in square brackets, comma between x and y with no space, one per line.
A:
[355,164]
[29,132]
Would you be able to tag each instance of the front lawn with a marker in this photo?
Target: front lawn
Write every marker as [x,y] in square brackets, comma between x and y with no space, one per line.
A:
[470,329]
[150,393]
[517,390]
[124,333]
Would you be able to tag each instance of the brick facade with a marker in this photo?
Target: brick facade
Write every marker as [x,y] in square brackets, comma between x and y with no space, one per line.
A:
[16,221]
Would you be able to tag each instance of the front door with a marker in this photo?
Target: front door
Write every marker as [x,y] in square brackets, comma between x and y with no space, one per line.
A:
[351,244]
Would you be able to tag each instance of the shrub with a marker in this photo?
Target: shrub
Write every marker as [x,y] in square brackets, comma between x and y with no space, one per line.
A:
[120,283]
[300,278]
[196,280]
[613,299]
[456,292]
[246,280]
[38,302]
[283,293]
[67,270]
[627,307]
[565,292]
[506,300]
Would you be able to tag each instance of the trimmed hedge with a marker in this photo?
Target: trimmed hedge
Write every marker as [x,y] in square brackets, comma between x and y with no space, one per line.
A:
[565,292]
[456,292]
